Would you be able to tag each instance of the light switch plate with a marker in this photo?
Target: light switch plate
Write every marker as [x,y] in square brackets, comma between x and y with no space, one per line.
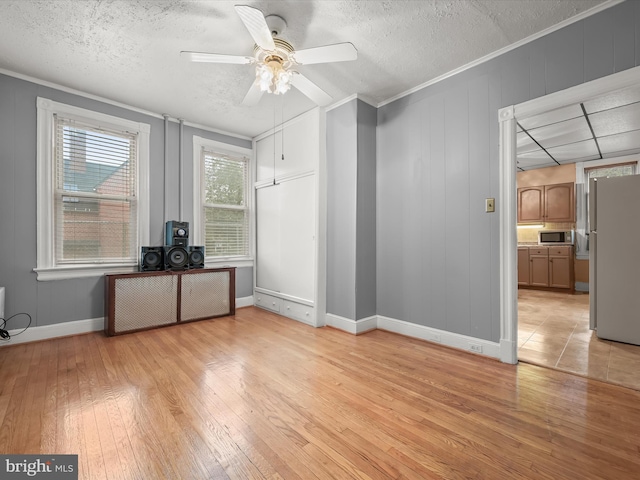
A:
[490,205]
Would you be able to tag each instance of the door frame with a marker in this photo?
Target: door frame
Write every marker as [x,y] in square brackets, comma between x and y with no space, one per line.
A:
[507,118]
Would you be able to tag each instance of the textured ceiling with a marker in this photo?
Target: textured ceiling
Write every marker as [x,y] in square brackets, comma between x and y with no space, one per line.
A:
[129,50]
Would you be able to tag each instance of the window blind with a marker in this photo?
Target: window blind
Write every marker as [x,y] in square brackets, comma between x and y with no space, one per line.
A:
[226,215]
[95,189]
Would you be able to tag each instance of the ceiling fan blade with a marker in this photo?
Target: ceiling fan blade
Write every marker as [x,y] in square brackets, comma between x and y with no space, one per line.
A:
[311,90]
[340,52]
[216,58]
[253,96]
[254,20]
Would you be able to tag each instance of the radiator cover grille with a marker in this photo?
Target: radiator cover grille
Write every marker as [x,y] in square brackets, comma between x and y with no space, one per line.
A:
[145,300]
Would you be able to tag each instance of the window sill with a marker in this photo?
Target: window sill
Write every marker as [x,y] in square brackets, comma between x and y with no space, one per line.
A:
[228,262]
[81,271]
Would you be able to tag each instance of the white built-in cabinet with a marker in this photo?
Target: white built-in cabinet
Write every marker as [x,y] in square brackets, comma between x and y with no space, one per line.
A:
[286,196]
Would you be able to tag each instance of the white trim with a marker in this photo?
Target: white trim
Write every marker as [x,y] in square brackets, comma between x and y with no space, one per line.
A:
[77,327]
[576,18]
[283,178]
[450,339]
[508,238]
[508,244]
[284,296]
[228,262]
[46,332]
[197,231]
[107,101]
[579,93]
[354,327]
[244,302]
[81,271]
[46,268]
[433,335]
[355,96]
[277,128]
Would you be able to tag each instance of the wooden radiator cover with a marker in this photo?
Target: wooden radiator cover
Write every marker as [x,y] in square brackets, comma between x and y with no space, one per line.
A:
[140,301]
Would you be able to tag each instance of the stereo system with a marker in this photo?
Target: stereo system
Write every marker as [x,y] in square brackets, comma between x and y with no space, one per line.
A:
[176,254]
[176,233]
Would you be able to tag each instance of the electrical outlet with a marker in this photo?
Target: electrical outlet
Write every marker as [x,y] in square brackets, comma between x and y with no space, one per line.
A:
[475,348]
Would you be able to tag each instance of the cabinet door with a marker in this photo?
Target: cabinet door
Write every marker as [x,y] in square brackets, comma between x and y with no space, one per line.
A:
[531,204]
[560,271]
[539,274]
[559,203]
[523,265]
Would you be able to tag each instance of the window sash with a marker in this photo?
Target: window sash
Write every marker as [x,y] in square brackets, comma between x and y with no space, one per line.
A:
[95,167]
[224,205]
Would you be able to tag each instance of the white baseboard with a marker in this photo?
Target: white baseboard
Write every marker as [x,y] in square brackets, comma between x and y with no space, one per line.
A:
[455,340]
[45,332]
[351,326]
[244,302]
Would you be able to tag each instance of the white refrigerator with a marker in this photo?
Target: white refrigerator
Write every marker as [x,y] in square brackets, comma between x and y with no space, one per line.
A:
[614,258]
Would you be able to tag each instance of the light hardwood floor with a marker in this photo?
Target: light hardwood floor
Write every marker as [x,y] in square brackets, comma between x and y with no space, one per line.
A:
[258,396]
[553,331]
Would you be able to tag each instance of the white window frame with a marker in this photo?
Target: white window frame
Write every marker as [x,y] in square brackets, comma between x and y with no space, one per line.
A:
[197,228]
[46,268]
[582,189]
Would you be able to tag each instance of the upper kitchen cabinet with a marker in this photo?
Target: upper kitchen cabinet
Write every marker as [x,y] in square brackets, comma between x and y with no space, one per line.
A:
[546,203]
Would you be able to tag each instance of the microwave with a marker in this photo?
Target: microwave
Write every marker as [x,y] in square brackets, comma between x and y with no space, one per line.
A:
[554,237]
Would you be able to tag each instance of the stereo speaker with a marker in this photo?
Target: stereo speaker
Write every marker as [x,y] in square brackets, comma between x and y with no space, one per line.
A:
[196,256]
[177,233]
[175,258]
[151,259]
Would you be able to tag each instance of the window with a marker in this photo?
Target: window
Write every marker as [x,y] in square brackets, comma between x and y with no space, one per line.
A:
[585,171]
[221,199]
[92,192]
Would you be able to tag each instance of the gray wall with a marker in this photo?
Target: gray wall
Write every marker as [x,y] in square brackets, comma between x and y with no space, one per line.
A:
[366,212]
[78,299]
[342,151]
[437,159]
[351,207]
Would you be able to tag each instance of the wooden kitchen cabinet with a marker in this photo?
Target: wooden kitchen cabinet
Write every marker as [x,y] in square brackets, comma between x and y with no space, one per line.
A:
[523,265]
[546,203]
[561,267]
[539,266]
[546,267]
[531,204]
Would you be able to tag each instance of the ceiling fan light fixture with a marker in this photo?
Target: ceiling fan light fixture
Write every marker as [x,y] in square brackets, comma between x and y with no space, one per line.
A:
[272,76]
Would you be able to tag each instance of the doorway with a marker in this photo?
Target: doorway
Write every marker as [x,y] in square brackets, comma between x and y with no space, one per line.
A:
[534,304]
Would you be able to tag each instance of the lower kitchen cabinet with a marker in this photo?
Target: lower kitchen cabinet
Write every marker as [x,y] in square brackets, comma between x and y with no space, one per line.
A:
[539,267]
[546,267]
[523,266]
[561,267]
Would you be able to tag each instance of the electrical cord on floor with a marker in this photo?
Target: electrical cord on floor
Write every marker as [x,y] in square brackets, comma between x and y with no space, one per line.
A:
[4,333]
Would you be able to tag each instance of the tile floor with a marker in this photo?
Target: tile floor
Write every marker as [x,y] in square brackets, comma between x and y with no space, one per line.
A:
[553,331]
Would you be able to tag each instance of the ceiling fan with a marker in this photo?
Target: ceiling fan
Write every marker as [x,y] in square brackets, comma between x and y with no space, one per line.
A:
[276,60]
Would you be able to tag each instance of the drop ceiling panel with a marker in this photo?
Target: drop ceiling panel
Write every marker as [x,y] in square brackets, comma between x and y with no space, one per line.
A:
[622,142]
[613,100]
[579,151]
[537,156]
[562,133]
[616,120]
[552,116]
[525,144]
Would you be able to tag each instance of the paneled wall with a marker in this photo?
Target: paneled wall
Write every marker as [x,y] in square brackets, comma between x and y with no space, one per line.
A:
[79,299]
[351,201]
[437,160]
